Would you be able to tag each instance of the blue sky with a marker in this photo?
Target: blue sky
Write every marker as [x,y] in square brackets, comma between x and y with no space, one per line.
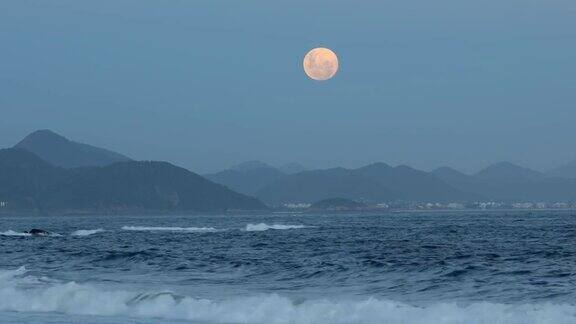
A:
[206,84]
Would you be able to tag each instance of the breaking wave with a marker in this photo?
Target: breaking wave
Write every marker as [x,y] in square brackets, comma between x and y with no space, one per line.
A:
[87,232]
[17,295]
[264,227]
[12,233]
[169,229]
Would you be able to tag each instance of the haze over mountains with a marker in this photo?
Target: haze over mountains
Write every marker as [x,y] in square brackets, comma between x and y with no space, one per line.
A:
[47,172]
[508,182]
[62,152]
[379,182]
[565,171]
[247,177]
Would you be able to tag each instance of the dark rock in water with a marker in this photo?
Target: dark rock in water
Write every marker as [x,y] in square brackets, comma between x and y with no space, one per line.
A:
[38,232]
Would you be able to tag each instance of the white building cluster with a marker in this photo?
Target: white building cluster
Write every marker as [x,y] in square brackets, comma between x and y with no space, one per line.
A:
[479,205]
[297,205]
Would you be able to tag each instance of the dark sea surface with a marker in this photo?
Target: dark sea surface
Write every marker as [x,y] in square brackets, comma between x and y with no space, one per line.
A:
[437,267]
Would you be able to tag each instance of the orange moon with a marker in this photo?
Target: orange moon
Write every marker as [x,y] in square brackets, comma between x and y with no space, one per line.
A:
[320,64]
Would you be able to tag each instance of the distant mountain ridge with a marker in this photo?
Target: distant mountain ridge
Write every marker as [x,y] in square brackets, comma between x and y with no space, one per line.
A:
[250,165]
[24,177]
[567,171]
[316,185]
[377,182]
[509,172]
[145,185]
[60,151]
[251,176]
[110,183]
[292,168]
[247,177]
[28,183]
[83,177]
[505,181]
[412,184]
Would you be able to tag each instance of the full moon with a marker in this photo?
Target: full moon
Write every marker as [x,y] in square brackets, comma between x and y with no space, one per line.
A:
[320,64]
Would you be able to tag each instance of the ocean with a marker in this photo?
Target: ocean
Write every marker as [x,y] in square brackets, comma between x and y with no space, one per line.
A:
[408,267]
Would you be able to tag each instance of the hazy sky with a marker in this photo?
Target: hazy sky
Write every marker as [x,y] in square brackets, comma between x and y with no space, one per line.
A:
[206,84]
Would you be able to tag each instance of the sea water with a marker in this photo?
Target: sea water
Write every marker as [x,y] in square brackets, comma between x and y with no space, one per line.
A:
[438,267]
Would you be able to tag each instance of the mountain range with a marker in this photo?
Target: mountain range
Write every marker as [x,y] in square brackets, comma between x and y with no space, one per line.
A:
[98,180]
[379,182]
[247,177]
[508,182]
[48,172]
[376,182]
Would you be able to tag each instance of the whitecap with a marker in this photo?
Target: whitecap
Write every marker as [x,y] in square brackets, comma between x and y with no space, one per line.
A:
[13,233]
[169,229]
[87,232]
[5,275]
[264,227]
[81,299]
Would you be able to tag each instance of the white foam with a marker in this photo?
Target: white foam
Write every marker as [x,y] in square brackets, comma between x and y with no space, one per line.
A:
[75,299]
[264,227]
[170,229]
[12,233]
[5,276]
[87,232]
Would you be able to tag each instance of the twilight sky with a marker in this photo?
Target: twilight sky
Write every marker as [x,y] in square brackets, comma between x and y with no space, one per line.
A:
[209,83]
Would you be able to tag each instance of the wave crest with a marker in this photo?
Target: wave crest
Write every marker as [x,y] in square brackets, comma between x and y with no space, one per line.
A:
[87,232]
[13,233]
[264,227]
[75,299]
[169,229]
